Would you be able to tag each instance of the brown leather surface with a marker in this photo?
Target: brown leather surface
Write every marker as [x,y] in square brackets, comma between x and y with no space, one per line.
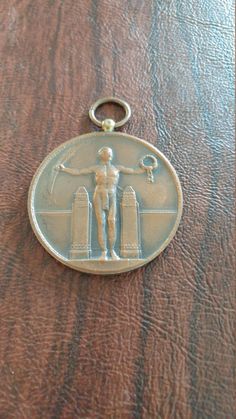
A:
[156,342]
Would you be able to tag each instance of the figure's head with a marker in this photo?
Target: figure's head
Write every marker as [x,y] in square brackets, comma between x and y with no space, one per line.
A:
[105,154]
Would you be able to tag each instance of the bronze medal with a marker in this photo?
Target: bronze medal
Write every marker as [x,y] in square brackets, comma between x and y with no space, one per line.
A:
[105,202]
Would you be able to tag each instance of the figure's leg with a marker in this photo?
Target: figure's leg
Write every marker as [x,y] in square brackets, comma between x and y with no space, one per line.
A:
[100,216]
[112,227]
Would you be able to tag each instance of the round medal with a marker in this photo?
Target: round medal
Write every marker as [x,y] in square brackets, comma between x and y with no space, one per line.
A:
[105,202]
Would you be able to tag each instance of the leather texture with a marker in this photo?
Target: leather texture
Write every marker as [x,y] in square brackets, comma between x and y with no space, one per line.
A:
[156,342]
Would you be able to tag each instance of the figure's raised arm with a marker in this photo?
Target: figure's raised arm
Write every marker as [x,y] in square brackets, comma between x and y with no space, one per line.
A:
[76,172]
[145,166]
[130,171]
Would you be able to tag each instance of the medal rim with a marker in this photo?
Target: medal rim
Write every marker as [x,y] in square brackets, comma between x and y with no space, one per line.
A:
[47,246]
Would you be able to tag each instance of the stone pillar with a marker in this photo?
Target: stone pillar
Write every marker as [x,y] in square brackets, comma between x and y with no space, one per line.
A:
[130,247]
[81,225]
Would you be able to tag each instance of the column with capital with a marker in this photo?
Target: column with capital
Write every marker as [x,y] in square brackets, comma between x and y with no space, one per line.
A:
[81,225]
[130,246]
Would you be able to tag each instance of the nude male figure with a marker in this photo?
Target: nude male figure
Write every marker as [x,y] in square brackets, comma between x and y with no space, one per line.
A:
[104,198]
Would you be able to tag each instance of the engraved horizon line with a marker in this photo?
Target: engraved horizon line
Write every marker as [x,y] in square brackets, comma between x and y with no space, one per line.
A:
[144,211]
[160,211]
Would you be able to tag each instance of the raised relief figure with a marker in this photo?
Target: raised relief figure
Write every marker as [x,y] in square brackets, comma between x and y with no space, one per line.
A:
[104,197]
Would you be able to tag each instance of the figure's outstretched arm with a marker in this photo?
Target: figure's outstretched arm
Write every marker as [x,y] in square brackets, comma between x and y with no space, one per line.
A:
[76,172]
[130,171]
